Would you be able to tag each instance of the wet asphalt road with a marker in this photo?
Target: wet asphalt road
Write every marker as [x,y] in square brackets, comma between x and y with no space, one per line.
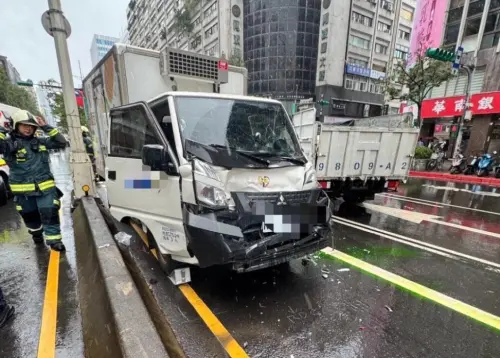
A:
[293,310]
[23,275]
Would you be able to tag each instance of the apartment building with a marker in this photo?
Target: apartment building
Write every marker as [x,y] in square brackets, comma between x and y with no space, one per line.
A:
[100,46]
[360,41]
[445,103]
[209,27]
[11,72]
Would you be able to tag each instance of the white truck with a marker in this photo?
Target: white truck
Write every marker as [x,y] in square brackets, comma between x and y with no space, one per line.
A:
[357,161]
[210,176]
[129,74]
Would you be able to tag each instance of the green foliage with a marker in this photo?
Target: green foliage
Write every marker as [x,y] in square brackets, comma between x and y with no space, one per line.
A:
[59,111]
[184,16]
[423,153]
[236,59]
[16,96]
[419,80]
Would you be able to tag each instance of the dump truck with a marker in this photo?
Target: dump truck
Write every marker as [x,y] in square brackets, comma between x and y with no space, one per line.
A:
[357,158]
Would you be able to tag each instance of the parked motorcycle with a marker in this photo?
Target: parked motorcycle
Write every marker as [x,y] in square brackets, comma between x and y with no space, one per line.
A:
[437,158]
[472,165]
[459,164]
[497,171]
[486,164]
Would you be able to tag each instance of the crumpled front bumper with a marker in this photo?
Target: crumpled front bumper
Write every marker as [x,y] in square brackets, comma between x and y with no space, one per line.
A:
[216,243]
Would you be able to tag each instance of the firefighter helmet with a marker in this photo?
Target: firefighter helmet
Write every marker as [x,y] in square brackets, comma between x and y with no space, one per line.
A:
[24,117]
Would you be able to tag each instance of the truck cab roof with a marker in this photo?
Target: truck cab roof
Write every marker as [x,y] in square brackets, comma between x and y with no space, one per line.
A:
[212,95]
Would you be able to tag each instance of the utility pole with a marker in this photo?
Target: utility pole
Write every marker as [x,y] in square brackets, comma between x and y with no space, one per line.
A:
[59,28]
[465,114]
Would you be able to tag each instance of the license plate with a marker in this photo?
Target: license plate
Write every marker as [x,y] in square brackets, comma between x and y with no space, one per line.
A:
[275,224]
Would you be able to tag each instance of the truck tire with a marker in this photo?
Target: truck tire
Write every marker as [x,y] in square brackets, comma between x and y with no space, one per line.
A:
[4,192]
[166,263]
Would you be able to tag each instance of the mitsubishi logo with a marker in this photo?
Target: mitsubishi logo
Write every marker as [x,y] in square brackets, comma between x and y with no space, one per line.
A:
[281,200]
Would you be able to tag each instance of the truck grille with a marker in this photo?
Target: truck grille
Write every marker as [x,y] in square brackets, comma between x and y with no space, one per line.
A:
[292,197]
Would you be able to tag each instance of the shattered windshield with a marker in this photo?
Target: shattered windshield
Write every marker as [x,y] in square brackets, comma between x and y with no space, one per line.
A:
[257,128]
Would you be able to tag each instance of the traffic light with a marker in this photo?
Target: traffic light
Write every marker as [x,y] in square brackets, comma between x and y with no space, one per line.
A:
[440,54]
[323,102]
[28,83]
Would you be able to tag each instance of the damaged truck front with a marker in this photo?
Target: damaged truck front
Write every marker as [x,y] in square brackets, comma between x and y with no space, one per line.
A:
[216,180]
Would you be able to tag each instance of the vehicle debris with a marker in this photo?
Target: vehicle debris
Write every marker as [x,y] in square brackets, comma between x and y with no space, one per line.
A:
[343,270]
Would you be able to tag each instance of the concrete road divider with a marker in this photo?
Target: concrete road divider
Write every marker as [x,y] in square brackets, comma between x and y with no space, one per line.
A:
[115,320]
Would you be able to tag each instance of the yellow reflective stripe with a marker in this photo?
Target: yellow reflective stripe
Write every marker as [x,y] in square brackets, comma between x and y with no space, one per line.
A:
[53,237]
[47,185]
[57,202]
[22,188]
[53,132]
[19,207]
[2,162]
[42,148]
[2,136]
[21,160]
[22,150]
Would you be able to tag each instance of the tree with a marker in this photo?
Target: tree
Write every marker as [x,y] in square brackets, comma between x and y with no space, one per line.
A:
[235,59]
[14,95]
[414,83]
[183,17]
[59,111]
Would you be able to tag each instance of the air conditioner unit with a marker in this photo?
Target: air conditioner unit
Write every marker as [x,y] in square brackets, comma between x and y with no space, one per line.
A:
[175,62]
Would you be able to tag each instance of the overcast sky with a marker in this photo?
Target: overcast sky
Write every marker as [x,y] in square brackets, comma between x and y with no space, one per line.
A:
[31,50]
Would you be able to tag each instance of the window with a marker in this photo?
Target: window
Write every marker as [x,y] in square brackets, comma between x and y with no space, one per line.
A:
[383,27]
[362,86]
[381,49]
[362,19]
[321,76]
[236,25]
[387,5]
[401,52]
[379,68]
[356,83]
[359,42]
[323,47]
[358,62]
[196,42]
[210,10]
[197,21]
[407,14]
[236,40]
[211,31]
[130,131]
[324,33]
[348,83]
[326,17]
[405,35]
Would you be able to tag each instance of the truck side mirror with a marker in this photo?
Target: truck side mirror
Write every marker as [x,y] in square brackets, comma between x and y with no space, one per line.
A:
[157,157]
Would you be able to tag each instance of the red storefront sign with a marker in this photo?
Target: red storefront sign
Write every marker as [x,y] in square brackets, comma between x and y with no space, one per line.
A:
[480,103]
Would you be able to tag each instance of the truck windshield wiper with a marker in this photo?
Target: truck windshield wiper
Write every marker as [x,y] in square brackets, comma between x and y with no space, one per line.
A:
[242,153]
[295,160]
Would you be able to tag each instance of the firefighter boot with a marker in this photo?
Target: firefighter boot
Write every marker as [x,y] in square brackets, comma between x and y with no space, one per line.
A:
[58,246]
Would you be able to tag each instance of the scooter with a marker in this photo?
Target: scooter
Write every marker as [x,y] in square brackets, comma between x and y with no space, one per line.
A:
[458,165]
[486,164]
[472,166]
[437,158]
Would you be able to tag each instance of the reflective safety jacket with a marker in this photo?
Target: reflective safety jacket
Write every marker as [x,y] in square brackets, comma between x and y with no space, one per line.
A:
[28,160]
[89,146]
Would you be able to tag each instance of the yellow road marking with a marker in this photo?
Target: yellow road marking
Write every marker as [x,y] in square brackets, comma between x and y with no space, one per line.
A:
[451,303]
[47,342]
[227,341]
[220,332]
[48,328]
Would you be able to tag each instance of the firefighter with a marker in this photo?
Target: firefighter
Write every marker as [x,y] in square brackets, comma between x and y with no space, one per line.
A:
[87,140]
[31,181]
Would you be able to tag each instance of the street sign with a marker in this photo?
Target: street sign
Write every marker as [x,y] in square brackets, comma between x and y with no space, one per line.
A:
[49,27]
[456,63]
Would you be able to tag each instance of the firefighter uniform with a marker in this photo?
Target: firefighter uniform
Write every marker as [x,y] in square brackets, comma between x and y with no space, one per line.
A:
[35,193]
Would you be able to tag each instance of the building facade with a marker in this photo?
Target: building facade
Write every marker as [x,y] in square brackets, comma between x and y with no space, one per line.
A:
[12,74]
[100,46]
[281,38]
[440,120]
[209,27]
[360,42]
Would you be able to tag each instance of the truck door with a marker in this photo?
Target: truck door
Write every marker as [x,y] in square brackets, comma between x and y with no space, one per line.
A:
[133,189]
